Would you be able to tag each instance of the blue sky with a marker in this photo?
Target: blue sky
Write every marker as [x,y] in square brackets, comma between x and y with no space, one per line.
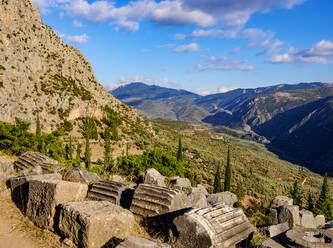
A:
[205,46]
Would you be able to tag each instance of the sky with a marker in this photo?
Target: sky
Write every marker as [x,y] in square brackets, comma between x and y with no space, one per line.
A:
[205,46]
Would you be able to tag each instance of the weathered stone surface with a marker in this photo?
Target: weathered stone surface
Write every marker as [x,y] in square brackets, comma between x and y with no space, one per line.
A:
[181,183]
[45,195]
[34,159]
[154,177]
[31,171]
[6,169]
[109,191]
[151,200]
[117,178]
[275,230]
[82,176]
[289,214]
[202,189]
[218,226]
[282,201]
[198,197]
[226,198]
[306,218]
[320,221]
[20,187]
[133,242]
[308,238]
[91,224]
[270,243]
[274,214]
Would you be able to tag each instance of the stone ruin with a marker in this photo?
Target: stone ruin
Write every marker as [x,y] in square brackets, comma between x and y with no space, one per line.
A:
[216,226]
[34,160]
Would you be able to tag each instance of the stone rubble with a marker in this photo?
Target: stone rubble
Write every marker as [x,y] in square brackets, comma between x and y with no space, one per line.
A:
[226,198]
[153,177]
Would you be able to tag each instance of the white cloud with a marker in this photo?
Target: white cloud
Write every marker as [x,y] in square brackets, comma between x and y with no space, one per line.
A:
[143,79]
[192,47]
[127,25]
[166,46]
[235,50]
[77,24]
[318,54]
[205,92]
[180,36]
[83,38]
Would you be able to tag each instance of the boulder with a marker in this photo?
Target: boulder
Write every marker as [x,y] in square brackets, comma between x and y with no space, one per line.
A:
[306,218]
[217,226]
[82,176]
[226,198]
[202,189]
[275,230]
[117,193]
[289,214]
[91,224]
[154,177]
[45,195]
[274,214]
[151,200]
[6,169]
[198,197]
[133,242]
[20,187]
[320,221]
[181,183]
[117,178]
[34,159]
[282,201]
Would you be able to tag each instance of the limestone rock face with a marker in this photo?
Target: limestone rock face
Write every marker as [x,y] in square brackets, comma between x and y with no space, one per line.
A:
[320,221]
[306,218]
[213,227]
[34,160]
[91,224]
[82,176]
[108,191]
[45,195]
[226,198]
[154,177]
[289,214]
[20,187]
[282,201]
[151,200]
[133,242]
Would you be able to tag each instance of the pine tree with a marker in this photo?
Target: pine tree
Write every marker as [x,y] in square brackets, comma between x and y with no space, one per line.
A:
[227,178]
[323,205]
[180,150]
[310,206]
[38,134]
[296,193]
[78,154]
[127,147]
[217,180]
[70,148]
[115,135]
[107,149]
[87,154]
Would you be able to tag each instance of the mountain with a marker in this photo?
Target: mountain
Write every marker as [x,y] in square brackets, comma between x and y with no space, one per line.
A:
[162,102]
[39,73]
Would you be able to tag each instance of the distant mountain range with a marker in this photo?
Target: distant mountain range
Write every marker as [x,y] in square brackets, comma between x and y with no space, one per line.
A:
[297,119]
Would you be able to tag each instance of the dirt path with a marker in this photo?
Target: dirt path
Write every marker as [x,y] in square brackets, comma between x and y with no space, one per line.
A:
[11,238]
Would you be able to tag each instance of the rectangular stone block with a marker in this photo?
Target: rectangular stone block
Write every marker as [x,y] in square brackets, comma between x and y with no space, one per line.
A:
[91,224]
[45,195]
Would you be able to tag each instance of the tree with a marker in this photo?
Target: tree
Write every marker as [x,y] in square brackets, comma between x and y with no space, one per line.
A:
[310,206]
[87,154]
[38,134]
[70,148]
[323,205]
[227,178]
[78,154]
[217,180]
[115,135]
[296,193]
[107,151]
[180,150]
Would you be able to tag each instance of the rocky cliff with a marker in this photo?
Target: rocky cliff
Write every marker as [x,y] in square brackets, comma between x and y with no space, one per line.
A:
[38,72]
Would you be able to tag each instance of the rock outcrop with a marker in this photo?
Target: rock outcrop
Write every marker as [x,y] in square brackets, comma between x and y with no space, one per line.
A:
[91,224]
[216,226]
[151,200]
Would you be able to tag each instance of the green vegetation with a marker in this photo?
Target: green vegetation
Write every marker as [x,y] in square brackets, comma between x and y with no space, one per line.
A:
[296,194]
[108,161]
[227,178]
[112,120]
[323,205]
[38,134]
[310,205]
[78,154]
[217,181]
[2,68]
[164,162]
[180,150]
